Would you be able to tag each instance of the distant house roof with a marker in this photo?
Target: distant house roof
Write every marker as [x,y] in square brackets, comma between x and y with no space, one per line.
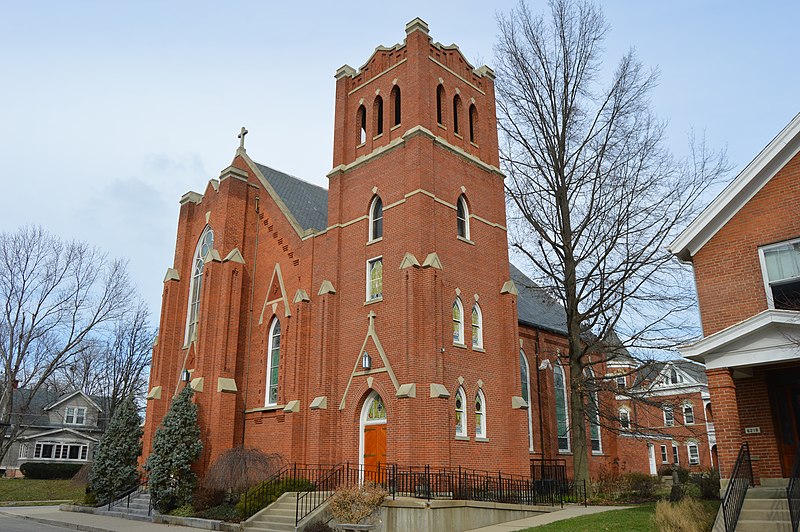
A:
[36,413]
[308,203]
[695,371]
[535,307]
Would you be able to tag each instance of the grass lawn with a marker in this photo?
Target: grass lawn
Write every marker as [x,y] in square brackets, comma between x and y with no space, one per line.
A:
[636,519]
[24,489]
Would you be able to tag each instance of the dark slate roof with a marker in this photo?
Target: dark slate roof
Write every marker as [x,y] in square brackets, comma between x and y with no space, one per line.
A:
[535,307]
[308,203]
[35,414]
[693,369]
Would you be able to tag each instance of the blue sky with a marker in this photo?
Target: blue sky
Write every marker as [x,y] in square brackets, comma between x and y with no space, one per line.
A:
[109,112]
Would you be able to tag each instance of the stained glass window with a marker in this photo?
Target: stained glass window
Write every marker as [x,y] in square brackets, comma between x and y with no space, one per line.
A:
[273,363]
[376,409]
[375,287]
[461,427]
[562,409]
[458,322]
[477,327]
[204,245]
[480,415]
[524,374]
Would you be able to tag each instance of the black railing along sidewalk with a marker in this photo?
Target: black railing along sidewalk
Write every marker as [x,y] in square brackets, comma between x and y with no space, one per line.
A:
[126,494]
[741,480]
[793,492]
[298,477]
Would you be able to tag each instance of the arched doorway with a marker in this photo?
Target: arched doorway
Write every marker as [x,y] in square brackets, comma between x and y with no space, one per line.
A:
[372,445]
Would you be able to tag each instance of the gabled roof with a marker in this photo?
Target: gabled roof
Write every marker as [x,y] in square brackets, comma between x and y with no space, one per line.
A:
[535,307]
[68,396]
[739,191]
[306,202]
[53,432]
[696,372]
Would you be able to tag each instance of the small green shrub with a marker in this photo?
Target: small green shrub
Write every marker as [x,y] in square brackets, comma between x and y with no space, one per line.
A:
[183,511]
[49,471]
[90,499]
[222,512]
[254,500]
[641,485]
[708,484]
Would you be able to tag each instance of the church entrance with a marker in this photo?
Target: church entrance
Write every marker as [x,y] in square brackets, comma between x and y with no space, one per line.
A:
[784,389]
[373,439]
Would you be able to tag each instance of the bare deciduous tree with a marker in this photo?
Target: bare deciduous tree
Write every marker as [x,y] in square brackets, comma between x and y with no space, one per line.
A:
[594,194]
[54,296]
[114,365]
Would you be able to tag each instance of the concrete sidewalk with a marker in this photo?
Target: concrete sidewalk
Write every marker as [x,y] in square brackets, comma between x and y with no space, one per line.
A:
[50,515]
[551,517]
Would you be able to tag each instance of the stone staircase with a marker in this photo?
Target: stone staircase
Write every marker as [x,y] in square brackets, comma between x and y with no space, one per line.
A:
[765,509]
[137,509]
[277,517]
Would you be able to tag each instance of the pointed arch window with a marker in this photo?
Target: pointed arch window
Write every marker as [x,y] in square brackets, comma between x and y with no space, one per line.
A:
[462,217]
[376,219]
[204,245]
[562,408]
[439,104]
[458,322]
[396,105]
[525,378]
[361,120]
[273,362]
[477,326]
[473,124]
[593,411]
[480,415]
[376,411]
[456,112]
[461,413]
[378,112]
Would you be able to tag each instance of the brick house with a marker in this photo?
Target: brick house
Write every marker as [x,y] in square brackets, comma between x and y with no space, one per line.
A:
[378,320]
[745,250]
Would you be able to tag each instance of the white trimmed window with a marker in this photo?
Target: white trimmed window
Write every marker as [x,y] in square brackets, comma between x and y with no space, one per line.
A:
[525,378]
[624,419]
[694,453]
[461,413]
[480,415]
[75,416]
[688,414]
[780,265]
[669,419]
[477,326]
[23,450]
[57,450]
[462,216]
[674,377]
[204,245]
[621,382]
[675,457]
[273,362]
[376,219]
[562,408]
[664,455]
[458,322]
[375,279]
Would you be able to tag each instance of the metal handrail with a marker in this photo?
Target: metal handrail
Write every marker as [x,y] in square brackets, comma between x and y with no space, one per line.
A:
[139,487]
[793,492]
[322,490]
[740,482]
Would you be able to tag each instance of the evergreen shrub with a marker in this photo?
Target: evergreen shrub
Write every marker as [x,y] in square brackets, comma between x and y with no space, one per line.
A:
[115,468]
[49,470]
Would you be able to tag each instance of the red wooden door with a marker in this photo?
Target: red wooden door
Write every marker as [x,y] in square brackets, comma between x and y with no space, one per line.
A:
[374,452]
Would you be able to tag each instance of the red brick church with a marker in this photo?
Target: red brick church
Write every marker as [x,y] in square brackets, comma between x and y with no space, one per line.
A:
[377,321]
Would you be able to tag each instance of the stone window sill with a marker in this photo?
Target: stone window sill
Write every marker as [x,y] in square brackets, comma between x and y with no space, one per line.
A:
[270,408]
[462,438]
[467,240]
[374,300]
[481,439]
[460,346]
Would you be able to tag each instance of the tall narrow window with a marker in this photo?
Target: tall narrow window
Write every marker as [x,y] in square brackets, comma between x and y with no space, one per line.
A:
[781,266]
[694,454]
[439,102]
[458,322]
[376,219]
[688,414]
[396,105]
[273,362]
[624,419]
[562,409]
[361,119]
[204,245]
[675,457]
[525,379]
[593,412]
[621,382]
[374,279]
[378,112]
[664,456]
[669,419]
[456,112]
[477,327]
[473,124]
[462,217]
[461,413]
[480,415]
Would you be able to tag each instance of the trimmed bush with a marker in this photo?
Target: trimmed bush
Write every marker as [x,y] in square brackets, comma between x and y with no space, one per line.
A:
[222,512]
[49,470]
[251,502]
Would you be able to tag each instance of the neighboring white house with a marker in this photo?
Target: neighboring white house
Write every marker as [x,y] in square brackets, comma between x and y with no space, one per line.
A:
[56,428]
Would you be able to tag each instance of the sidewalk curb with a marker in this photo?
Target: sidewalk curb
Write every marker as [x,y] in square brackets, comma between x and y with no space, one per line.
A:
[61,524]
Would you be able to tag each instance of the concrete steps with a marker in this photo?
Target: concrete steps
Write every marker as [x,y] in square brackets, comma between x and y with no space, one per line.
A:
[277,517]
[765,509]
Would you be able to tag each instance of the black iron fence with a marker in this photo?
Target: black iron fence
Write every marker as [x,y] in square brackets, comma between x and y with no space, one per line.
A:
[290,478]
[741,480]
[793,492]
[425,482]
[125,496]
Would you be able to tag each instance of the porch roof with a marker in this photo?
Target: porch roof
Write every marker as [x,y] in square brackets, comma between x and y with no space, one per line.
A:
[768,337]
